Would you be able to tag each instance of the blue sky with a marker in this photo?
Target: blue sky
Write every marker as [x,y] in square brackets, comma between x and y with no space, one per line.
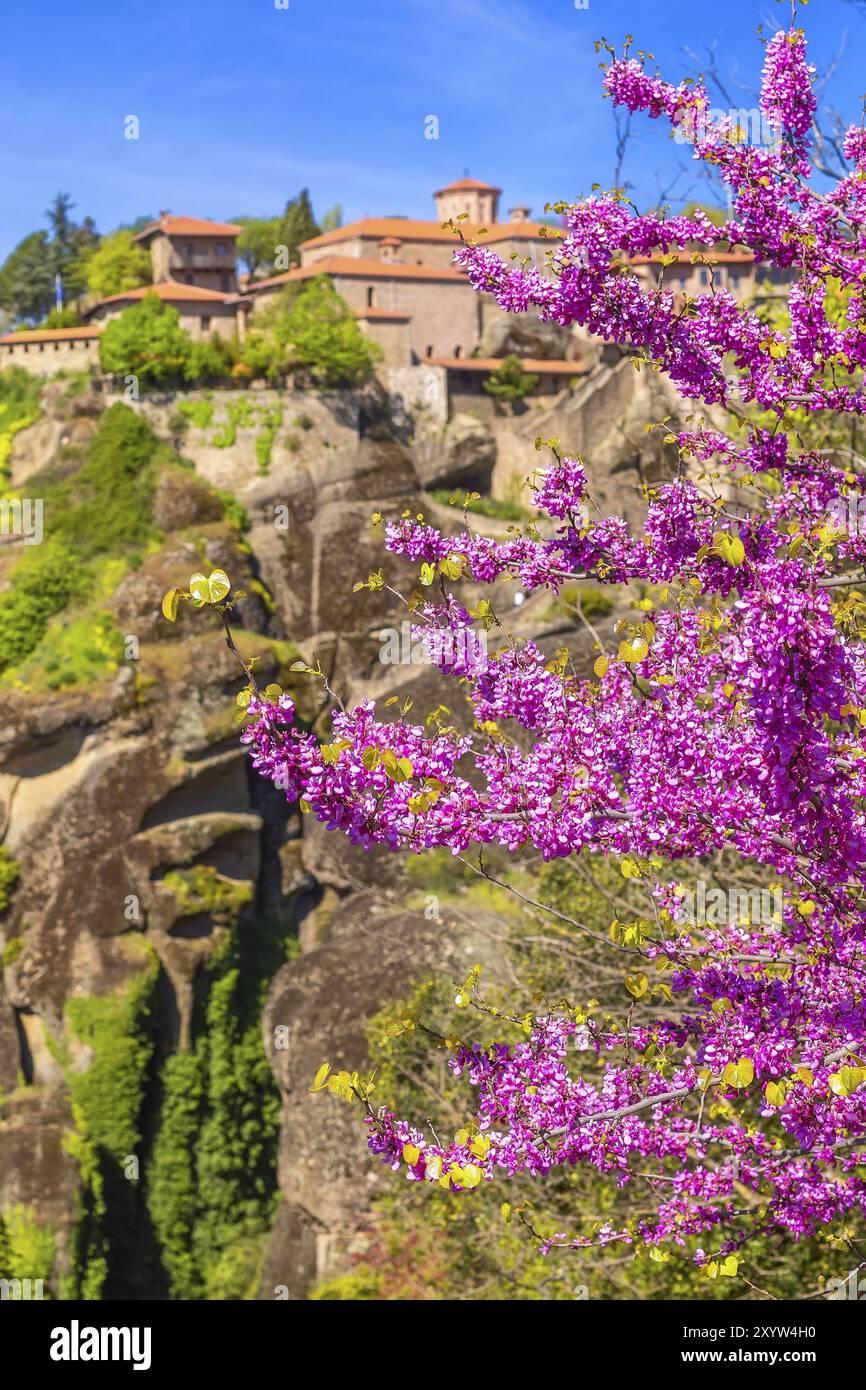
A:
[240,103]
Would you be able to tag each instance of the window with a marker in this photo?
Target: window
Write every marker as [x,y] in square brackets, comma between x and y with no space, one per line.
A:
[705,277]
[221,248]
[187,252]
[205,323]
[457,350]
[429,352]
[224,283]
[371,297]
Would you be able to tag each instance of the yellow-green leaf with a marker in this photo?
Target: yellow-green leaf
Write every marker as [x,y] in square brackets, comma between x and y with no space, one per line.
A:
[169,604]
[321,1078]
[634,650]
[740,1074]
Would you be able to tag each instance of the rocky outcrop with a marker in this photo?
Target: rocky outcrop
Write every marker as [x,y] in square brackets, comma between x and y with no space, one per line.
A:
[462,456]
[317,1011]
[526,336]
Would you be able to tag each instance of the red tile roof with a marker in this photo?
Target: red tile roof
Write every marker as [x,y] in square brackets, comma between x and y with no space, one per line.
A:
[187,226]
[360,268]
[50,335]
[459,185]
[557,365]
[382,314]
[408,229]
[170,289]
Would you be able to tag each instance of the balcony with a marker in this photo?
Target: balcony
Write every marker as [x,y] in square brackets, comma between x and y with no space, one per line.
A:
[202,260]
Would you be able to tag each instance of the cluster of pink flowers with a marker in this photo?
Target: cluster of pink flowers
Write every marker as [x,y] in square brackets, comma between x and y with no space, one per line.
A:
[730,715]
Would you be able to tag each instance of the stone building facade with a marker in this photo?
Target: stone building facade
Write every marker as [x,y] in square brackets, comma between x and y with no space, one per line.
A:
[44,351]
[192,251]
[202,311]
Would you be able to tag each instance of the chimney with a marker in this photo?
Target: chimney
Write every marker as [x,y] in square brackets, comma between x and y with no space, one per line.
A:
[518,214]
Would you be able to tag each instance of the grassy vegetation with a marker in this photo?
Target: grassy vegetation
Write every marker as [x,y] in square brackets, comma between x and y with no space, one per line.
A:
[107,1098]
[9,876]
[499,507]
[239,415]
[27,1246]
[102,510]
[272,419]
[212,1175]
[20,393]
[593,603]
[76,649]
[198,412]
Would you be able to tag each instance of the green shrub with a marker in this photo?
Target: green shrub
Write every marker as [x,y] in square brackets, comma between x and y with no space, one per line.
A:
[27,1246]
[20,395]
[239,414]
[13,949]
[509,382]
[42,584]
[312,331]
[146,341]
[107,1098]
[593,603]
[501,508]
[199,412]
[10,873]
[208,359]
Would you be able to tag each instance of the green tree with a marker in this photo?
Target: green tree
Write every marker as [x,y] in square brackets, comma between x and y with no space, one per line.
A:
[146,341]
[117,264]
[297,225]
[61,318]
[257,244]
[210,359]
[715,214]
[70,246]
[27,279]
[332,219]
[312,331]
[510,382]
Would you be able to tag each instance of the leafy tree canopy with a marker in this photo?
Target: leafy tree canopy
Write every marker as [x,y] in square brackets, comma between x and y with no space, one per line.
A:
[117,264]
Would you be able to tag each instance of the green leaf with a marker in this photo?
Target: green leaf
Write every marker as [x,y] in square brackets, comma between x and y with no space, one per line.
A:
[634,650]
[321,1078]
[208,588]
[169,604]
[740,1074]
